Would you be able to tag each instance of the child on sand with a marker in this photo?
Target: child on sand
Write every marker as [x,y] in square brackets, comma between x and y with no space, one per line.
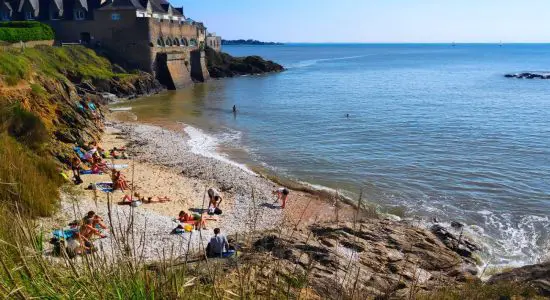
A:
[282,194]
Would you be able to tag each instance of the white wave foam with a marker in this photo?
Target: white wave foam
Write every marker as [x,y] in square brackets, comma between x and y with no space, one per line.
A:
[311,62]
[207,145]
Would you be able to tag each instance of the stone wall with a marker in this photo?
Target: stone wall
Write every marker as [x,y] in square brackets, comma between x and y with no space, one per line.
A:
[214,42]
[174,69]
[28,44]
[199,71]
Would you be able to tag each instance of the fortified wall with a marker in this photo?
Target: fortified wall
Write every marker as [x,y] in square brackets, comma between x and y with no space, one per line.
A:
[169,50]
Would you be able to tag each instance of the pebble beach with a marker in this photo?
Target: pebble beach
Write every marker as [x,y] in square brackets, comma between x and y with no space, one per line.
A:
[162,163]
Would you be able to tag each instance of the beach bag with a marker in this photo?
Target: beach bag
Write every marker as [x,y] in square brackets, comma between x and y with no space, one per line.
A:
[217,211]
[178,230]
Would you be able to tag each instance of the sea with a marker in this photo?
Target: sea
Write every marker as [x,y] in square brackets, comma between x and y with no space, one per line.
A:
[426,131]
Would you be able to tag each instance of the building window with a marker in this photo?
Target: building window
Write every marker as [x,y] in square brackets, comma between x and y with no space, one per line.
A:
[168,42]
[79,14]
[5,16]
[160,42]
[176,42]
[29,15]
[115,17]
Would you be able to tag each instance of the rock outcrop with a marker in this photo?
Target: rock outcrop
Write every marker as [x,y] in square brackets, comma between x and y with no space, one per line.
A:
[529,75]
[372,258]
[537,276]
[224,65]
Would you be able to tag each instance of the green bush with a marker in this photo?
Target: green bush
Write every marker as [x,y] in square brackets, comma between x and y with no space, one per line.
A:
[25,31]
[24,126]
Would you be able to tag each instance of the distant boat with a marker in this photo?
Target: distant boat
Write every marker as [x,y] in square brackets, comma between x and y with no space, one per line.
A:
[453,44]
[500,44]
[120,108]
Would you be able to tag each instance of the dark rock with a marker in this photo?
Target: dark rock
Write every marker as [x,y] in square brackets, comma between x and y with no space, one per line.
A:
[527,75]
[456,224]
[221,65]
[538,276]
[464,247]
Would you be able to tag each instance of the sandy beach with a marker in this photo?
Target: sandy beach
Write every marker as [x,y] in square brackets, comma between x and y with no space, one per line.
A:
[162,164]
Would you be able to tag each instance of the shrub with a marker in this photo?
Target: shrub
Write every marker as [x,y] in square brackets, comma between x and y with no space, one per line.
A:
[25,31]
[24,126]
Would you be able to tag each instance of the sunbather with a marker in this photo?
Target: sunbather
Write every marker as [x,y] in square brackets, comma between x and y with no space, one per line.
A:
[88,230]
[215,198]
[96,220]
[79,244]
[119,182]
[187,218]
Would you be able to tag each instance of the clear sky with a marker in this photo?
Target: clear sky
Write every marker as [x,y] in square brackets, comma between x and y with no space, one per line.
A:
[374,20]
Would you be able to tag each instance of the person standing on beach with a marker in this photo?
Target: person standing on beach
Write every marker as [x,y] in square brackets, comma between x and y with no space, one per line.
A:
[215,198]
[282,194]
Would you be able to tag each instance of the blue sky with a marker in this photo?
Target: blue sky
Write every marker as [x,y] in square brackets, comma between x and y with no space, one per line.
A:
[375,20]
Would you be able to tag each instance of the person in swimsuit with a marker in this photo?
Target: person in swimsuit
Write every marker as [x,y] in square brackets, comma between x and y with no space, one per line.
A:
[215,198]
[75,167]
[282,194]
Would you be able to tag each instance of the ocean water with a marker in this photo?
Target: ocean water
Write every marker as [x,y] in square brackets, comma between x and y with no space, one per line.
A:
[434,129]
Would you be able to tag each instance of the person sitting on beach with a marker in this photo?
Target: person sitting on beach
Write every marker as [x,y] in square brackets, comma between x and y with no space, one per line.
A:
[96,220]
[282,194]
[88,230]
[215,198]
[187,218]
[76,165]
[218,246]
[119,182]
[78,244]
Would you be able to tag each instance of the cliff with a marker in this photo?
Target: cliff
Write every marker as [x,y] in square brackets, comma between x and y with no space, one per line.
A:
[45,94]
[221,65]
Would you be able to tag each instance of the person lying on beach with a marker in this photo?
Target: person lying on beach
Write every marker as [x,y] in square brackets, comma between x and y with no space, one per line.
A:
[215,198]
[187,218]
[88,230]
[79,245]
[218,245]
[96,220]
[282,194]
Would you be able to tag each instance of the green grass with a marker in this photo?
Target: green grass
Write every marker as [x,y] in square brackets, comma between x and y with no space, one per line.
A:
[25,31]
[75,62]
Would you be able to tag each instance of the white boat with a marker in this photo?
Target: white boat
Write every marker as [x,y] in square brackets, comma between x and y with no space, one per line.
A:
[120,108]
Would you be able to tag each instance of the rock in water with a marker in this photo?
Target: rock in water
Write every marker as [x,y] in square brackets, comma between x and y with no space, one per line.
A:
[529,75]
[222,65]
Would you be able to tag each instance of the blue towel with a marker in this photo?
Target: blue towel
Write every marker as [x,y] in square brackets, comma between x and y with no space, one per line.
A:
[91,106]
[64,234]
[79,152]
[78,105]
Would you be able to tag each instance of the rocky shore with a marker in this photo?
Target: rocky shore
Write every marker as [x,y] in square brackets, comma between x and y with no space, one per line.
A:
[222,65]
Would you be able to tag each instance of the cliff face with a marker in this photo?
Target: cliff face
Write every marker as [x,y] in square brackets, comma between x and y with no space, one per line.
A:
[224,65]
[59,84]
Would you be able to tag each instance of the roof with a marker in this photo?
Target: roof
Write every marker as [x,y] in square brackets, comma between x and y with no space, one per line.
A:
[156,6]
[122,4]
[59,5]
[8,6]
[34,4]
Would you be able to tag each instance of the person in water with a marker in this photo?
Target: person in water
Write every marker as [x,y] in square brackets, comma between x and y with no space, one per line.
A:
[282,194]
[234,109]
[215,198]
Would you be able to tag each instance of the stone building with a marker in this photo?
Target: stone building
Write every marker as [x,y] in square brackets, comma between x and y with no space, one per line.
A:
[151,35]
[213,41]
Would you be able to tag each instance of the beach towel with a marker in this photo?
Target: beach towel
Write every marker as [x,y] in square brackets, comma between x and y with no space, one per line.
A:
[79,152]
[64,234]
[79,106]
[89,172]
[91,106]
[117,166]
[106,187]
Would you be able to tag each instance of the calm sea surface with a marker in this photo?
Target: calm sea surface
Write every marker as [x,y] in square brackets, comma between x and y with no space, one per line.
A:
[435,129]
